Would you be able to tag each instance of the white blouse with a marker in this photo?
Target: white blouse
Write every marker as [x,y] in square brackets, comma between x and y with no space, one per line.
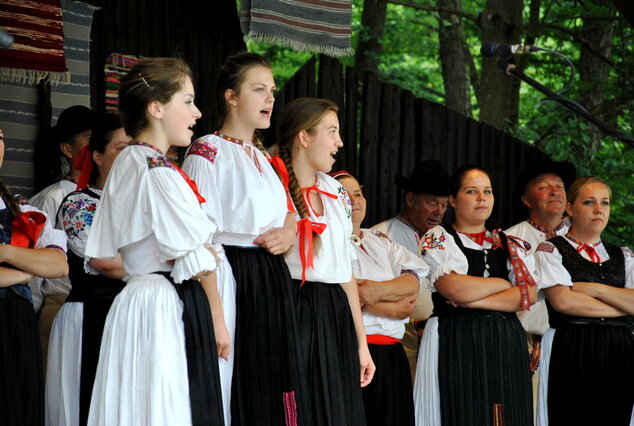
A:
[551,271]
[534,236]
[381,260]
[244,196]
[333,261]
[440,251]
[149,213]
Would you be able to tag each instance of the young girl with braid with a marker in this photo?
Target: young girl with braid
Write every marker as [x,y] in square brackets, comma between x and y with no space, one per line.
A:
[28,246]
[247,201]
[338,361]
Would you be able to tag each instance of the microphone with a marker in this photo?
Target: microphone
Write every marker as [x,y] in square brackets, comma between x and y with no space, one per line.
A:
[6,40]
[491,48]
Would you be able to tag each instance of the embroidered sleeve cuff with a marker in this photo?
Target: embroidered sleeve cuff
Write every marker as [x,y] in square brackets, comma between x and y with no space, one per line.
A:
[194,262]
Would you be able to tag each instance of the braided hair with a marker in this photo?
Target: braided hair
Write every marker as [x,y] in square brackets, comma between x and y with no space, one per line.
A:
[299,114]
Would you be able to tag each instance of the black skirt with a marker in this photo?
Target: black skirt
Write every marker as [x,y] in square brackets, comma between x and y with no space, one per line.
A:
[591,374]
[483,363]
[329,342]
[21,373]
[388,398]
[269,385]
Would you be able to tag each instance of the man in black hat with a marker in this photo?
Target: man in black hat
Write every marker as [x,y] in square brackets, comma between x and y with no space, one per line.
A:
[424,205]
[540,195]
[71,133]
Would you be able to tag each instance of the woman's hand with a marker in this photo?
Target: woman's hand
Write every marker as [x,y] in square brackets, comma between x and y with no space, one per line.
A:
[223,340]
[276,240]
[367,365]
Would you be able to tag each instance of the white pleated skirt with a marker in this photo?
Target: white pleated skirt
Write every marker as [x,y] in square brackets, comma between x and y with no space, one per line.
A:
[142,372]
[227,291]
[426,388]
[63,370]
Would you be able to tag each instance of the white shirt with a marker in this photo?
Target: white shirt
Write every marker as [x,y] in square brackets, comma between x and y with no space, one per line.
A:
[244,200]
[441,252]
[551,271]
[150,215]
[534,321]
[408,237]
[381,260]
[333,261]
[48,201]
[399,232]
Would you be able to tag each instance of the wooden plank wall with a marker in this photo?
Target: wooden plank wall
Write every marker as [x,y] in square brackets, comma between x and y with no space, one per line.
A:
[203,33]
[387,130]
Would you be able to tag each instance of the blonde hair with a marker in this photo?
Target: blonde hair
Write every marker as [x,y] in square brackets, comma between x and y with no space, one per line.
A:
[575,188]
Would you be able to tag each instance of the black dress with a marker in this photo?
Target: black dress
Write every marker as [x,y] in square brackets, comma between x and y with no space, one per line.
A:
[591,368]
[21,372]
[482,359]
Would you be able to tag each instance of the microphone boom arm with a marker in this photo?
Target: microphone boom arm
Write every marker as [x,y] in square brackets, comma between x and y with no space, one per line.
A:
[608,130]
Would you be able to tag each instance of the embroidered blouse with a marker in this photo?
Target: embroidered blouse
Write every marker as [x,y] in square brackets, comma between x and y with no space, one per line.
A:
[245,197]
[550,270]
[332,262]
[380,260]
[149,213]
[442,254]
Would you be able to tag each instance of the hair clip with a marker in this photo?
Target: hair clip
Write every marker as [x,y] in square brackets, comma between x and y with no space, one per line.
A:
[144,80]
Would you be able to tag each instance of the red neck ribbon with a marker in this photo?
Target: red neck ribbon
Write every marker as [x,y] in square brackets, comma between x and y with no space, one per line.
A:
[191,183]
[26,228]
[282,172]
[84,163]
[306,228]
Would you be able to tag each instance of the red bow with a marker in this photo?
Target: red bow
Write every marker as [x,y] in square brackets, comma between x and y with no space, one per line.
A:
[26,228]
[305,228]
[594,256]
[191,183]
[83,162]
[282,172]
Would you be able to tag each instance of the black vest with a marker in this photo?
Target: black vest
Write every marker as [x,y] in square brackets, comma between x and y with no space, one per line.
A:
[479,260]
[611,272]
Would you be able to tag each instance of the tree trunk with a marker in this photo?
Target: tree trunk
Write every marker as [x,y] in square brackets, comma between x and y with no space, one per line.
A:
[454,58]
[594,71]
[501,21]
[368,52]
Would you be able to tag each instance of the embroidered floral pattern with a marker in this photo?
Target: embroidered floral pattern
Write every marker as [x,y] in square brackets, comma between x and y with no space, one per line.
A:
[77,216]
[433,242]
[380,234]
[201,149]
[345,200]
[546,246]
[627,252]
[159,161]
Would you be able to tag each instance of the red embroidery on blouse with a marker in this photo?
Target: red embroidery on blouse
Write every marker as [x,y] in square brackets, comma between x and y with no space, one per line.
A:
[158,162]
[546,246]
[201,149]
[627,252]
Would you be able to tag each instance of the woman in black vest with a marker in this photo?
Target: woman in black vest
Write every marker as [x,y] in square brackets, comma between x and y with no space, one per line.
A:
[588,353]
[472,364]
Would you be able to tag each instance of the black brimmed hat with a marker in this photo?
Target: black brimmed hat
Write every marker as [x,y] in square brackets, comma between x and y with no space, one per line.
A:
[429,177]
[564,169]
[71,121]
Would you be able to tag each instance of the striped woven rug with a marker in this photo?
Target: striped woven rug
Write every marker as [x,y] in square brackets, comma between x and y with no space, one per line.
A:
[322,26]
